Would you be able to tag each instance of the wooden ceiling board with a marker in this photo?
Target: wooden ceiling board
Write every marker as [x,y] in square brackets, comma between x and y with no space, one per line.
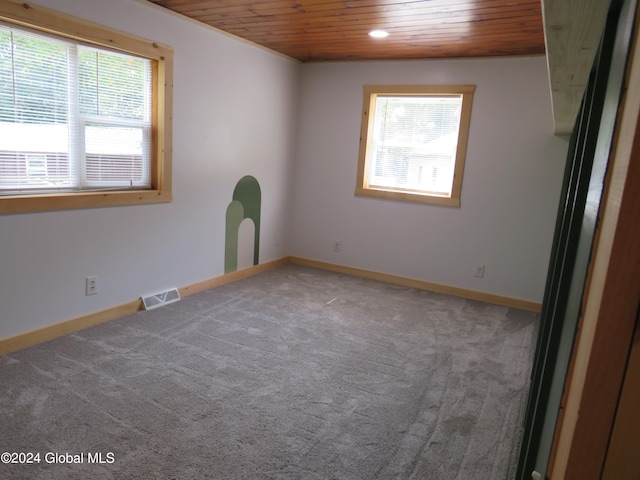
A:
[327,30]
[331,30]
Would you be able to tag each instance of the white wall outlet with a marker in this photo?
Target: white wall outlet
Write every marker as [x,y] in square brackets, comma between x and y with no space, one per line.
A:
[337,246]
[91,285]
[478,270]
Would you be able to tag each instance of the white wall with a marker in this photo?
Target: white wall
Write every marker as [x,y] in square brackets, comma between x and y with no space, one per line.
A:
[510,190]
[235,108]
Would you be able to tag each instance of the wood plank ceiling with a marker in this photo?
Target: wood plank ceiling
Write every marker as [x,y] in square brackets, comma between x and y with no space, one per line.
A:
[332,30]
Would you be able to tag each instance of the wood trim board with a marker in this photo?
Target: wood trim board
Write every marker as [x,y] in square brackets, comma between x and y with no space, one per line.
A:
[421,284]
[50,332]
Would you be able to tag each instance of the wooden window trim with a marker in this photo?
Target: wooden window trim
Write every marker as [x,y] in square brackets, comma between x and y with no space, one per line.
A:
[370,92]
[53,22]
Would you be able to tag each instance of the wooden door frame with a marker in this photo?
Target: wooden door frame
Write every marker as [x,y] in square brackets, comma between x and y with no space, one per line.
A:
[623,455]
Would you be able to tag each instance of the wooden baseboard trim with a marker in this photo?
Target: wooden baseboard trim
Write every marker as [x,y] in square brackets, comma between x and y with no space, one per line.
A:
[50,332]
[421,285]
[231,277]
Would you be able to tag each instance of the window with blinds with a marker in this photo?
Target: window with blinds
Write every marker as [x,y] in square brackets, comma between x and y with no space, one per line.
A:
[73,117]
[413,142]
[85,113]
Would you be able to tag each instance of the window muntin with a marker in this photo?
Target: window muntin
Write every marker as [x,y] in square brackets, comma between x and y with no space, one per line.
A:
[85,113]
[413,142]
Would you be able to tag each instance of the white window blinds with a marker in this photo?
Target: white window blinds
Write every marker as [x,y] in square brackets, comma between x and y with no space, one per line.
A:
[414,143]
[72,117]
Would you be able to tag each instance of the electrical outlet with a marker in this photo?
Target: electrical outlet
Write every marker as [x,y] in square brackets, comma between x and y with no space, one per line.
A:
[478,270]
[337,246]
[91,285]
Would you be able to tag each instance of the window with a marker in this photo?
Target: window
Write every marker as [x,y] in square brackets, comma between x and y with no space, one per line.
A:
[413,141]
[84,114]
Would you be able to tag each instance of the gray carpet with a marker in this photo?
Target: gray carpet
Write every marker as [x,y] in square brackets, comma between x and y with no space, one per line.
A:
[295,373]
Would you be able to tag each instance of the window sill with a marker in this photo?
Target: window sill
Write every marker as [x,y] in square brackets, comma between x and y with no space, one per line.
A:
[408,197]
[68,201]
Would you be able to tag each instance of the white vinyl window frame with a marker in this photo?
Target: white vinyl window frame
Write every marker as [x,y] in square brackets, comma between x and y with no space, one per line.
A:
[371,183]
[66,27]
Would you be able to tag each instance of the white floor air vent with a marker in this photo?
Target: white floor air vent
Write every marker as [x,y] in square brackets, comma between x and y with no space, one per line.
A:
[160,299]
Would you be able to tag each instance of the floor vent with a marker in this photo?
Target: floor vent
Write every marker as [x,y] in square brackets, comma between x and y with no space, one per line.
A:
[160,299]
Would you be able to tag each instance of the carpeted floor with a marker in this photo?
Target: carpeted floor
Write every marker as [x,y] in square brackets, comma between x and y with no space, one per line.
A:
[295,373]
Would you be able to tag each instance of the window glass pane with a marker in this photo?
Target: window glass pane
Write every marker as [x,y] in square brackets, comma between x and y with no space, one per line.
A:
[21,144]
[113,85]
[34,131]
[414,142]
[115,155]
[33,78]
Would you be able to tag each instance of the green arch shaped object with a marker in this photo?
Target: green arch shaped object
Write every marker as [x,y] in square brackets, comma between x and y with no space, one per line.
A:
[246,203]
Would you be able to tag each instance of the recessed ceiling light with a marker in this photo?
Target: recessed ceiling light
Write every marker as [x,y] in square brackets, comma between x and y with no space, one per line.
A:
[378,33]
